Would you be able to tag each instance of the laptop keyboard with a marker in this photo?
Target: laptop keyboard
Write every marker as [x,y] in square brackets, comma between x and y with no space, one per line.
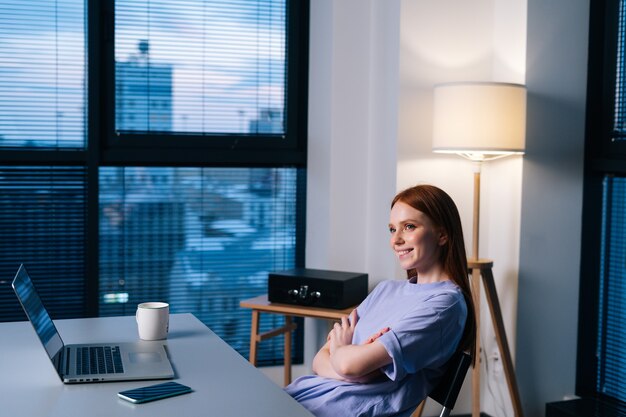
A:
[98,360]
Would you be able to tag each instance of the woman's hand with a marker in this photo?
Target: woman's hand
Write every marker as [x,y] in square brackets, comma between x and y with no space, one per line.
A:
[375,336]
[341,334]
[342,360]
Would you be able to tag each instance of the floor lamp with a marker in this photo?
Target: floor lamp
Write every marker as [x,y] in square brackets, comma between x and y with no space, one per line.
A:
[482,121]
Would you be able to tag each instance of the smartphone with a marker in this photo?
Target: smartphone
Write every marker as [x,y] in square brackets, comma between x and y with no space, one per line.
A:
[153,392]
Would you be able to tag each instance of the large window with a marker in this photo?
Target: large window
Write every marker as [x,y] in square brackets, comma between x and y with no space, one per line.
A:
[602,320]
[153,150]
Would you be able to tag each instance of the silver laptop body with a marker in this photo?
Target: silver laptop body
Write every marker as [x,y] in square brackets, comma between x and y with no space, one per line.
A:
[79,363]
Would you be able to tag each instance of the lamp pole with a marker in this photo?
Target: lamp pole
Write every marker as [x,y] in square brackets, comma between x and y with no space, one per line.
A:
[475,283]
[476,222]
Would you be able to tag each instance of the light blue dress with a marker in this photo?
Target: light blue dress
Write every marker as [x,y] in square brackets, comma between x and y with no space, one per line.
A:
[426,322]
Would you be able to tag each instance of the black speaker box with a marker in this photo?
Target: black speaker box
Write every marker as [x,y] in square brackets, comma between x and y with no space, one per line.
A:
[316,287]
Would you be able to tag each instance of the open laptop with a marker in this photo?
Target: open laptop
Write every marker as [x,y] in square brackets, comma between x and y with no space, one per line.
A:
[90,362]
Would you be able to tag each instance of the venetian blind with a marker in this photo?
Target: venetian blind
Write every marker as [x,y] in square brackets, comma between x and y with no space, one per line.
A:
[200,67]
[42,219]
[619,121]
[612,305]
[42,106]
[202,239]
[42,62]
[611,341]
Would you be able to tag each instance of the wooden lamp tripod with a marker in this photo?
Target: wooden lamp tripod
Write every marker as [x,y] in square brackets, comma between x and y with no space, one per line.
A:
[482,268]
[482,121]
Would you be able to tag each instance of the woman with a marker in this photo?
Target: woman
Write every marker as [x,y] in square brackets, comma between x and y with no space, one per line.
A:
[385,357]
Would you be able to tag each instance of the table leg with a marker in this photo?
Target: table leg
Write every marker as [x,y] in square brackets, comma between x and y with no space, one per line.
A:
[287,375]
[254,336]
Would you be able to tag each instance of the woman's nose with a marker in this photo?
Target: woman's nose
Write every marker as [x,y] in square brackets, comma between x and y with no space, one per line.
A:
[397,238]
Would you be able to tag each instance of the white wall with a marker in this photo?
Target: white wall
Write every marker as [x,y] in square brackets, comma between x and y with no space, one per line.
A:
[550,247]
[351,173]
[352,131]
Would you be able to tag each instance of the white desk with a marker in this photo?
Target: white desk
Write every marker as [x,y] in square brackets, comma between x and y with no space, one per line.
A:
[224,383]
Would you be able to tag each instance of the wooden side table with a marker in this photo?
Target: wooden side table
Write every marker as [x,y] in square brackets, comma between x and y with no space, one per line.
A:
[261,304]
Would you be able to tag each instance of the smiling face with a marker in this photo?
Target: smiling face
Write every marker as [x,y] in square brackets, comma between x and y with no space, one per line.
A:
[415,239]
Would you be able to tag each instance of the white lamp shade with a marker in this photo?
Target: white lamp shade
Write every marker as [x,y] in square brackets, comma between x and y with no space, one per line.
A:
[479,118]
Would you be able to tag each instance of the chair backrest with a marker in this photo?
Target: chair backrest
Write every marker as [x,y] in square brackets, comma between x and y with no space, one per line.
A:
[448,388]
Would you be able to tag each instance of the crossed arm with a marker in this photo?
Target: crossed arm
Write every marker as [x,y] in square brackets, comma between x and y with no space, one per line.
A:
[340,359]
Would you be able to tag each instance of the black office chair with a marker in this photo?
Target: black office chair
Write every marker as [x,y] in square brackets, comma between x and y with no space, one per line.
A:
[447,390]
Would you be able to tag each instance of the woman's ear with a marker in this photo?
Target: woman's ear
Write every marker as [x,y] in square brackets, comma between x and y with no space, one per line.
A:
[443,238]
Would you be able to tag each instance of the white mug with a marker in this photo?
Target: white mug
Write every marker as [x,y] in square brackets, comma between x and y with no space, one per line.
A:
[153,320]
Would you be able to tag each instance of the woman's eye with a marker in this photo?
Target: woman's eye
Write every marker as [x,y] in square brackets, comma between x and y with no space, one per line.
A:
[409,226]
[392,230]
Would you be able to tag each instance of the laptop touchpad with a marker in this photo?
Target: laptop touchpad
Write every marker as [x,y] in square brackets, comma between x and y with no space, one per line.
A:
[144,357]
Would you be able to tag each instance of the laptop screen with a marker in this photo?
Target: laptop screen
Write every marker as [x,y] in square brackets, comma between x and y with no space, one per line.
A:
[36,312]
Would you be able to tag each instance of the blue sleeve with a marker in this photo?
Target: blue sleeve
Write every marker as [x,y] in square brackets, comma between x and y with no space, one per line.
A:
[426,337]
